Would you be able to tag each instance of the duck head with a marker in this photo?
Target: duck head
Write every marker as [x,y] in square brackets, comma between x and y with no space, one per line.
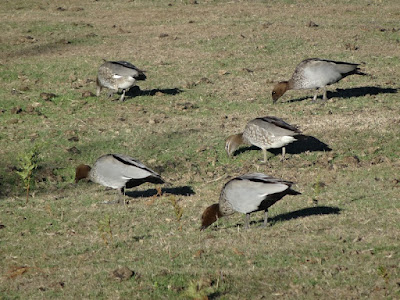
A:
[232,143]
[279,89]
[81,172]
[210,215]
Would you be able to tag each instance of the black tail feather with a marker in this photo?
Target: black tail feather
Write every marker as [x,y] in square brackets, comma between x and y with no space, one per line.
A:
[292,192]
[141,76]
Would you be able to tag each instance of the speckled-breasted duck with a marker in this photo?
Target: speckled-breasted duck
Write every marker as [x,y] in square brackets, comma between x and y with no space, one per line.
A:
[116,75]
[247,194]
[118,171]
[315,73]
[265,133]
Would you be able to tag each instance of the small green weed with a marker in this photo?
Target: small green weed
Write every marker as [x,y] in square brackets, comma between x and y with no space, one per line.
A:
[27,164]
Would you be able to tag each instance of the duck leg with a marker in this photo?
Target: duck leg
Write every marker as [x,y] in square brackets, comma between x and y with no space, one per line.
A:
[283,154]
[265,218]
[265,156]
[98,90]
[123,95]
[324,97]
[247,222]
[122,194]
[315,96]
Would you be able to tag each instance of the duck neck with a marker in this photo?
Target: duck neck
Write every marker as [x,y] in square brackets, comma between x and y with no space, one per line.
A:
[289,84]
[240,139]
[243,139]
[91,174]
[218,211]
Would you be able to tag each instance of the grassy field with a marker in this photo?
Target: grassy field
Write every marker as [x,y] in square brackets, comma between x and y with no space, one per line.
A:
[211,66]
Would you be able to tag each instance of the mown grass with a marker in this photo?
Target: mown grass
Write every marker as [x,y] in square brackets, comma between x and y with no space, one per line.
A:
[210,69]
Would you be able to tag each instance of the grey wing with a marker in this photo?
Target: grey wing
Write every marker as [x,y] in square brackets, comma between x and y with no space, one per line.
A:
[110,172]
[264,178]
[340,66]
[128,67]
[346,68]
[133,168]
[299,70]
[321,72]
[124,68]
[276,126]
[246,193]
[126,64]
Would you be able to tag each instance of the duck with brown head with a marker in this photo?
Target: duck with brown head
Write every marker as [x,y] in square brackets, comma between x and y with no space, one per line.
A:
[279,89]
[247,194]
[266,133]
[118,171]
[315,73]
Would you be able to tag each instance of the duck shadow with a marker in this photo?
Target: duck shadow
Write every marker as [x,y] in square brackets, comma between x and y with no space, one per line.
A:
[303,144]
[304,212]
[301,213]
[361,92]
[177,191]
[136,91]
[352,92]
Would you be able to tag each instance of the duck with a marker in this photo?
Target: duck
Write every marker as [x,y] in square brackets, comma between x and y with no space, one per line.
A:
[266,133]
[118,171]
[315,73]
[116,75]
[246,194]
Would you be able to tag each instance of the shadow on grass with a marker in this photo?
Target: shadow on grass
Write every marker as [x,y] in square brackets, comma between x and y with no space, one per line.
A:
[304,212]
[303,144]
[352,92]
[301,213]
[136,91]
[178,191]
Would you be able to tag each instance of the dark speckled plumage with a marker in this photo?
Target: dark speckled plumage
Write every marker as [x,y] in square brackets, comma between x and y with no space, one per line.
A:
[116,75]
[266,133]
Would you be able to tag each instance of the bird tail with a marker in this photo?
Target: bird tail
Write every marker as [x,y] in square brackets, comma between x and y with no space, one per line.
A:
[359,72]
[292,192]
[156,180]
[141,76]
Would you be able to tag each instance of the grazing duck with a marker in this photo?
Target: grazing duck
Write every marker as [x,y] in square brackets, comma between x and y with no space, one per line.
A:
[247,194]
[315,73]
[118,171]
[265,133]
[116,75]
